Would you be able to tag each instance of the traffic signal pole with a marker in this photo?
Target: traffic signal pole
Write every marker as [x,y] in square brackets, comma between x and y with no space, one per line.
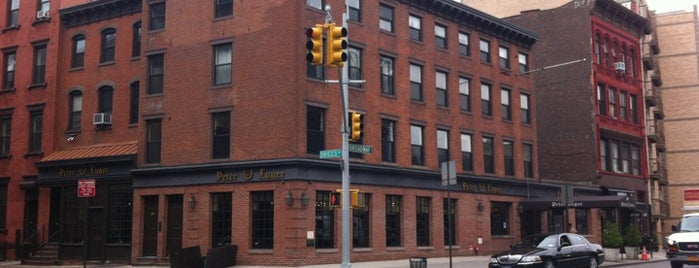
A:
[346,238]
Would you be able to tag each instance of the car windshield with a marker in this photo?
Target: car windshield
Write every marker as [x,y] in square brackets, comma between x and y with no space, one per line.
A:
[529,242]
[689,224]
[549,242]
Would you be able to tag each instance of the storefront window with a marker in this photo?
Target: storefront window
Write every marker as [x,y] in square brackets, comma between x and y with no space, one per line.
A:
[221,217]
[360,224]
[263,219]
[450,221]
[325,221]
[499,218]
[581,221]
[120,216]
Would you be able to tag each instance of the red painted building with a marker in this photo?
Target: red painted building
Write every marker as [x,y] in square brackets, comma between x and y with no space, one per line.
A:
[591,113]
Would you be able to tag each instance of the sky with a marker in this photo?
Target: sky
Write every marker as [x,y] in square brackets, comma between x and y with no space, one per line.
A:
[661,6]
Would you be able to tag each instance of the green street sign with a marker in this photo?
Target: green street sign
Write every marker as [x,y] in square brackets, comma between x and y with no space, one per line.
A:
[334,153]
[362,149]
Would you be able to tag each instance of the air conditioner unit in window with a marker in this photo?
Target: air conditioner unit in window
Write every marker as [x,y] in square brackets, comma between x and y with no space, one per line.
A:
[42,14]
[620,66]
[102,119]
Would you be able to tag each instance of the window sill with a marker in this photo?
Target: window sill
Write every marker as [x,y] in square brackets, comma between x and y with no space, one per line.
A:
[362,249]
[326,250]
[7,90]
[39,85]
[225,86]
[425,248]
[395,248]
[106,63]
[42,20]
[33,154]
[75,69]
[452,247]
[260,251]
[10,28]
[9,156]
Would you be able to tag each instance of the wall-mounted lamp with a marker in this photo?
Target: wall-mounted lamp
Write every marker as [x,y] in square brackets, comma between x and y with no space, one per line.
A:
[71,136]
[289,199]
[480,206]
[192,201]
[520,208]
[304,199]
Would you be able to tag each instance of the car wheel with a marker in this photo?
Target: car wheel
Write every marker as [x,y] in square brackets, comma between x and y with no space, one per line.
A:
[676,264]
[549,264]
[593,262]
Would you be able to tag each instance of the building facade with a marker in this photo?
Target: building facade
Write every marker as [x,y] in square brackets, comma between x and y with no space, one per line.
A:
[214,138]
[28,48]
[590,101]
[677,36]
[238,162]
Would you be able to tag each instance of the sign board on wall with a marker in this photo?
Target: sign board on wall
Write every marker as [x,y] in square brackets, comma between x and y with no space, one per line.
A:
[691,199]
[86,188]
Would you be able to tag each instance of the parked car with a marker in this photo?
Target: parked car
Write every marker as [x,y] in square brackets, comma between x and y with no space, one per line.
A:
[682,247]
[557,250]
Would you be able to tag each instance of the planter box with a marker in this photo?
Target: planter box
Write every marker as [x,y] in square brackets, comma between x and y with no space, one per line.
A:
[632,253]
[612,254]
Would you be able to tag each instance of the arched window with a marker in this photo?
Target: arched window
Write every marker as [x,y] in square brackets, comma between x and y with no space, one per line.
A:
[76,108]
[78,55]
[105,94]
[598,48]
[108,45]
[133,106]
[136,40]
[607,60]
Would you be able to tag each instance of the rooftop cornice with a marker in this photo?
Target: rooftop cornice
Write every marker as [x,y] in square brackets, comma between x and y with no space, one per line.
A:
[622,16]
[473,18]
[98,11]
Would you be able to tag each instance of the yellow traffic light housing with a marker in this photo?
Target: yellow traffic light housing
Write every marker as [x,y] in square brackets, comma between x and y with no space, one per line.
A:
[336,46]
[314,45]
[356,126]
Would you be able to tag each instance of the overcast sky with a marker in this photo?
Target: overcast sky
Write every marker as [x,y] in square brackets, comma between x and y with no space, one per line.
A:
[661,6]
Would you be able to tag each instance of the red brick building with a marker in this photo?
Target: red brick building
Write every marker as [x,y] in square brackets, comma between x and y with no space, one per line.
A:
[591,116]
[232,135]
[204,128]
[28,48]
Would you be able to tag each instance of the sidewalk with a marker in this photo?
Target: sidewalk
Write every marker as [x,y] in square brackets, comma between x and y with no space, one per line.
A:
[468,261]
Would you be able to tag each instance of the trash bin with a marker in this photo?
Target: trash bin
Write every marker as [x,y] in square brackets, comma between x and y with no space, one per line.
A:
[418,262]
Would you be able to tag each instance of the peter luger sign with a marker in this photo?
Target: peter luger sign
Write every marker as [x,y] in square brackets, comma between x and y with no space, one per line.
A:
[250,174]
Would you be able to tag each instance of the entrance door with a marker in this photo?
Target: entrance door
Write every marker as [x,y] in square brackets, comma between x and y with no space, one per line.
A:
[31,207]
[174,223]
[96,233]
[150,225]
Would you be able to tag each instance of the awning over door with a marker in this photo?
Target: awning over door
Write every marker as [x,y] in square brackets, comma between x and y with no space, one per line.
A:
[588,201]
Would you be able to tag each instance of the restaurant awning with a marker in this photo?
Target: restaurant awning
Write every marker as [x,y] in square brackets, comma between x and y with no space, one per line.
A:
[588,201]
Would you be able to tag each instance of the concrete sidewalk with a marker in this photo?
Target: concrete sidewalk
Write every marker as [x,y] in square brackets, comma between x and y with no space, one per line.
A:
[443,262]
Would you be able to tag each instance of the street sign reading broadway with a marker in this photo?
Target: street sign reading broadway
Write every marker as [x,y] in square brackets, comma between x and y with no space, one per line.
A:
[362,149]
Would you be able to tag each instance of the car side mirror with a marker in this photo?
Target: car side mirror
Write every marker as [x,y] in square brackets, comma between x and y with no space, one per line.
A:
[674,228]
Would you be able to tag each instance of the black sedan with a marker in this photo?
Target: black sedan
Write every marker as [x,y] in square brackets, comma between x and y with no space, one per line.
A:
[556,250]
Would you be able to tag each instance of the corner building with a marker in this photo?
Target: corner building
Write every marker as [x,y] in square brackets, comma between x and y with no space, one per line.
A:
[233,120]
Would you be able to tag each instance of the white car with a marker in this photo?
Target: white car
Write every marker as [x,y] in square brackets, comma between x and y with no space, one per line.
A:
[682,247]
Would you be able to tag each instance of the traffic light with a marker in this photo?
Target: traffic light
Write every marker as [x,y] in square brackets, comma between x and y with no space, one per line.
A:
[314,45]
[336,46]
[357,126]
[355,200]
[335,199]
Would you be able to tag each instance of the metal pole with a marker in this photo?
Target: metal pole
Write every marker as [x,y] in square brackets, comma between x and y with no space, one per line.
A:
[451,232]
[345,159]
[554,66]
